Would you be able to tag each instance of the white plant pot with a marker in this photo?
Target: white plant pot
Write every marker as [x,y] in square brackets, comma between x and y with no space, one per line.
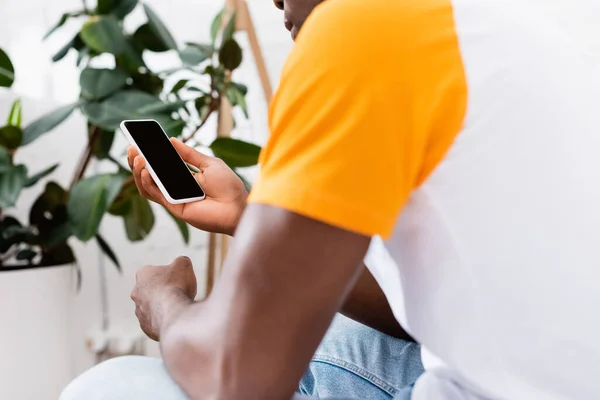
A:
[34,334]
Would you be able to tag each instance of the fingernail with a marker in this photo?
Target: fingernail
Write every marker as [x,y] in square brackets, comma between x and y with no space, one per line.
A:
[135,161]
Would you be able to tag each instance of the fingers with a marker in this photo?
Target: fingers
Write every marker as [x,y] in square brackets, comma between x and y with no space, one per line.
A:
[182,261]
[192,156]
[139,166]
[132,153]
[152,191]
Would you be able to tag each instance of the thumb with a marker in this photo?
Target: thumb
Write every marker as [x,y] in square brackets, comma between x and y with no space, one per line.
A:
[191,155]
[182,261]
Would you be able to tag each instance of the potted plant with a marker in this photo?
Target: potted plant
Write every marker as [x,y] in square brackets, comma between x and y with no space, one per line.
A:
[129,90]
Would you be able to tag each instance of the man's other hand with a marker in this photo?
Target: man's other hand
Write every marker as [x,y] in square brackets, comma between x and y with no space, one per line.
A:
[225,193]
[160,290]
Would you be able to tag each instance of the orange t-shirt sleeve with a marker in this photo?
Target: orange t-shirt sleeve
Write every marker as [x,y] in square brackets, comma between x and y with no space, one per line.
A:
[369,101]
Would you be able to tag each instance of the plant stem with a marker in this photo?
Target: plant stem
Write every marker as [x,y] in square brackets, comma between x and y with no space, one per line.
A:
[86,157]
[115,161]
[210,111]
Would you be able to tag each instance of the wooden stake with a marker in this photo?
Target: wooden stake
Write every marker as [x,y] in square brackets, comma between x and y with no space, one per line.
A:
[245,20]
[211,265]
[225,123]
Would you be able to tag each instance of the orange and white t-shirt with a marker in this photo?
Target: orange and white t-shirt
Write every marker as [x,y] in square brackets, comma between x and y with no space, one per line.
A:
[465,133]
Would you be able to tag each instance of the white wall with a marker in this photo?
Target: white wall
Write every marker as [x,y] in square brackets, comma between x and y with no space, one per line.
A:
[44,322]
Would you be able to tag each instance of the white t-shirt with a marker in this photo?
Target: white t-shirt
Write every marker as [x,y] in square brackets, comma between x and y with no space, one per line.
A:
[467,134]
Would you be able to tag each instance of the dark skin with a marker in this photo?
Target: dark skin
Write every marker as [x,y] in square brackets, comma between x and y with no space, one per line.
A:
[284,279]
[221,211]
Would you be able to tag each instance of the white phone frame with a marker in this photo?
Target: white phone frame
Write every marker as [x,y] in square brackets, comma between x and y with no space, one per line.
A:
[149,167]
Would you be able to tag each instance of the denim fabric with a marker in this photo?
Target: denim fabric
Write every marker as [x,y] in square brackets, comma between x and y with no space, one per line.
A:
[358,362]
[352,362]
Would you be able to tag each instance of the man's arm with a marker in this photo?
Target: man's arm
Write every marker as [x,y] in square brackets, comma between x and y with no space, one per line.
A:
[283,281]
[225,203]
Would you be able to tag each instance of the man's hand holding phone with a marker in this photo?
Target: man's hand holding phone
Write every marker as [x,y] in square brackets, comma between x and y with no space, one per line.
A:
[225,193]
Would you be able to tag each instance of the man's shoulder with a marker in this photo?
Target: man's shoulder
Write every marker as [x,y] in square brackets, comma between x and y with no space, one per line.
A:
[398,14]
[389,26]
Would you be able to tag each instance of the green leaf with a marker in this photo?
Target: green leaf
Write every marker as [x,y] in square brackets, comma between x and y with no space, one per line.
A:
[11,136]
[119,8]
[236,153]
[158,108]
[58,233]
[183,228]
[140,219]
[146,38]
[60,23]
[159,28]
[11,184]
[240,87]
[192,55]
[237,99]
[173,127]
[148,82]
[122,105]
[132,58]
[60,54]
[7,71]
[47,122]
[5,163]
[32,180]
[81,54]
[14,118]
[11,235]
[90,199]
[104,34]
[45,205]
[104,246]
[104,143]
[58,255]
[196,89]
[99,83]
[121,206]
[26,255]
[207,49]
[229,28]
[49,215]
[202,105]
[179,85]
[247,184]
[215,26]
[230,55]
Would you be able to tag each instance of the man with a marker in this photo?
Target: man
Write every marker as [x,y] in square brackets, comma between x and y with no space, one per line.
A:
[374,361]
[465,138]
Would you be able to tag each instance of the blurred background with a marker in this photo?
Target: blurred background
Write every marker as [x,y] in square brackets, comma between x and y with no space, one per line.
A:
[72,232]
[51,330]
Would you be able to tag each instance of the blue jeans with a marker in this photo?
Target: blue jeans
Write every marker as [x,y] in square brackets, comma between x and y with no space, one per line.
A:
[352,362]
[358,362]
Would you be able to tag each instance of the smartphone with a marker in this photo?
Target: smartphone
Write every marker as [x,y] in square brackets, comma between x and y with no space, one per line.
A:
[169,171]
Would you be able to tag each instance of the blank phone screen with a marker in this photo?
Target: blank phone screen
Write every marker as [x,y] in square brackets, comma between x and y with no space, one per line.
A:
[164,160]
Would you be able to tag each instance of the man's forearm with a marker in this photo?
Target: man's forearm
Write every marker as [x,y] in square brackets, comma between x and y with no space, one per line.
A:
[255,334]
